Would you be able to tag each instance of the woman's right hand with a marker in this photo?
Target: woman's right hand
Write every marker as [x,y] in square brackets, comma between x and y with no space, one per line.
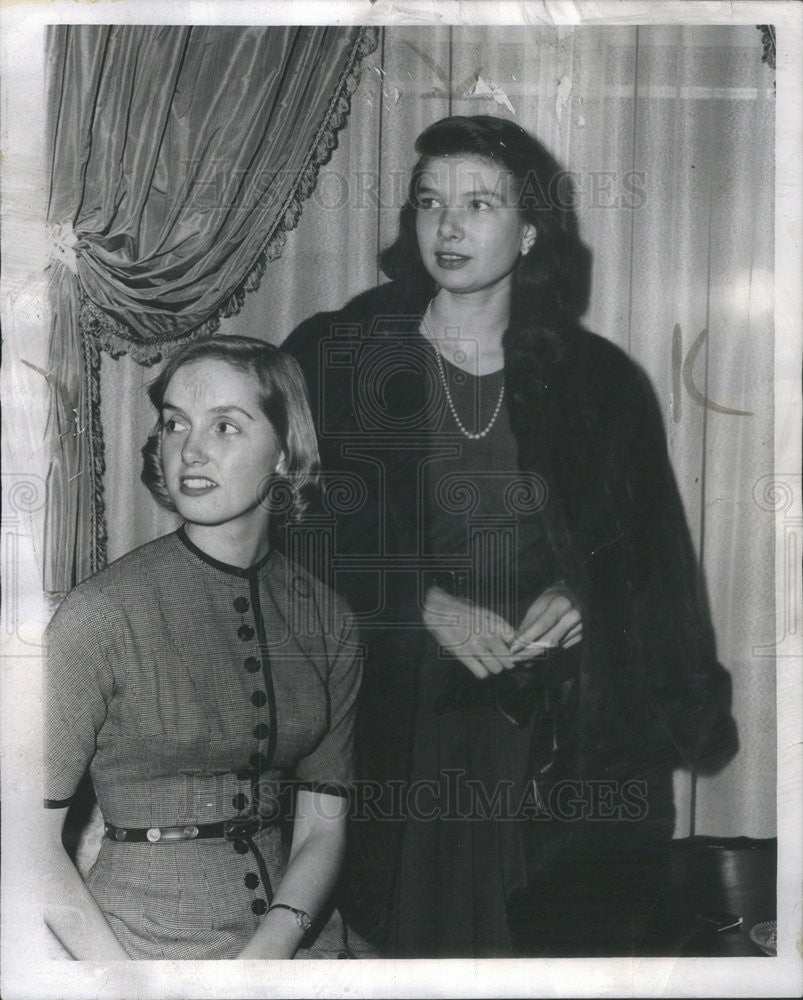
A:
[479,638]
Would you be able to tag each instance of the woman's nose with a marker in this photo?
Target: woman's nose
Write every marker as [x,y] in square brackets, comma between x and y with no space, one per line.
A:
[450,226]
[192,451]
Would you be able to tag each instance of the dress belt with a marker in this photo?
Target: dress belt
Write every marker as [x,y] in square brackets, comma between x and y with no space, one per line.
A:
[229,829]
[243,830]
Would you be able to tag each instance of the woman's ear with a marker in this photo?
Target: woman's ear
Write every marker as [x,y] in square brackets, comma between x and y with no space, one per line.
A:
[528,236]
[281,466]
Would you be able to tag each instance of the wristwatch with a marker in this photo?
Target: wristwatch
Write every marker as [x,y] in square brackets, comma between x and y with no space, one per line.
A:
[302,917]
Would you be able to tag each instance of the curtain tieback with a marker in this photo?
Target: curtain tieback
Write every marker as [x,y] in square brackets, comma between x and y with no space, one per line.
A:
[63,242]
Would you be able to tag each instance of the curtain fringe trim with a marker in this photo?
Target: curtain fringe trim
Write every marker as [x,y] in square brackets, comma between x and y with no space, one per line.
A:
[97,457]
[115,337]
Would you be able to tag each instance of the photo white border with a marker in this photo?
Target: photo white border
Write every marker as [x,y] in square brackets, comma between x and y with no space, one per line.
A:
[25,975]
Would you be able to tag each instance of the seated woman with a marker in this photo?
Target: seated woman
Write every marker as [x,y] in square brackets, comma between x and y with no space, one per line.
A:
[540,656]
[192,677]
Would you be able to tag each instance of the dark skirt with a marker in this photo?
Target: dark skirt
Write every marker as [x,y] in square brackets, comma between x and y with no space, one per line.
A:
[462,850]
[493,865]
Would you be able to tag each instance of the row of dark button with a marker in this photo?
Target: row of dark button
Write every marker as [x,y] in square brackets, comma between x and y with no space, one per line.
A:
[251,879]
[252,665]
[257,760]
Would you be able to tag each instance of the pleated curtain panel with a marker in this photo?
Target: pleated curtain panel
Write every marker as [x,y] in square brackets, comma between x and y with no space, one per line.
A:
[180,158]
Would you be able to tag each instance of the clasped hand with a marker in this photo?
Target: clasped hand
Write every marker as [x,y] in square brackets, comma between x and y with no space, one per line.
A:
[487,644]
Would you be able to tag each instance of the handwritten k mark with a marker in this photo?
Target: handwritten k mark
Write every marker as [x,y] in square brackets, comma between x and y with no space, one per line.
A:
[683,371]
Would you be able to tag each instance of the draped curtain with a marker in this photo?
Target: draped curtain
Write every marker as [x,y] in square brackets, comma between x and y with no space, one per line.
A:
[669,133]
[180,158]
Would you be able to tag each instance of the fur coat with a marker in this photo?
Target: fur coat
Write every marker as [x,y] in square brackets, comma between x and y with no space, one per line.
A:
[651,695]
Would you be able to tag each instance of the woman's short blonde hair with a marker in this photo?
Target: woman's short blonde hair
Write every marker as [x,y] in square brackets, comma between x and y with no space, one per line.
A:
[282,398]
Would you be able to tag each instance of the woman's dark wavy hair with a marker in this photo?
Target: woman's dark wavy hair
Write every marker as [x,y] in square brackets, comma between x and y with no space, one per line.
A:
[556,270]
[282,398]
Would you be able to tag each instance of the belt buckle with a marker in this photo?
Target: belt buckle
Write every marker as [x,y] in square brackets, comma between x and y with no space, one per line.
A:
[188,832]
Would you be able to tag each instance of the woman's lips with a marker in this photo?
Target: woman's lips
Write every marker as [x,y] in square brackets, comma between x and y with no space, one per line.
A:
[450,261]
[196,486]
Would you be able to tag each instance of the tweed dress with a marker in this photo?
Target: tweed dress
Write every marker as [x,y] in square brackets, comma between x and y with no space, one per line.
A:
[193,690]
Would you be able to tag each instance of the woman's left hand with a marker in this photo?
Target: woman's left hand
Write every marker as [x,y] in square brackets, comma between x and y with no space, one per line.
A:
[552,620]
[316,856]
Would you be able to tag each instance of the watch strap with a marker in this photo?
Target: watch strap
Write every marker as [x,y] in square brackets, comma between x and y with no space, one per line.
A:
[302,918]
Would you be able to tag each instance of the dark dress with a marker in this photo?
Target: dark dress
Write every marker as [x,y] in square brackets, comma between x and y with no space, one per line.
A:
[460,840]
[192,690]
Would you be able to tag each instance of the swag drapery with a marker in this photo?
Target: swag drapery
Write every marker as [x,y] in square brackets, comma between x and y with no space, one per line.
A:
[179,160]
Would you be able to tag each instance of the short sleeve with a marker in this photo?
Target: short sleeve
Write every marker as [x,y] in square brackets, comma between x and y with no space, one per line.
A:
[78,688]
[330,767]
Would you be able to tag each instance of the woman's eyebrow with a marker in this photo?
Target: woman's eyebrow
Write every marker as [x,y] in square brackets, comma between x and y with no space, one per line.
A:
[231,409]
[483,191]
[224,408]
[475,191]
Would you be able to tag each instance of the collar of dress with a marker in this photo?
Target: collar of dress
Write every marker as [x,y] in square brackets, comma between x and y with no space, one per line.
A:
[247,572]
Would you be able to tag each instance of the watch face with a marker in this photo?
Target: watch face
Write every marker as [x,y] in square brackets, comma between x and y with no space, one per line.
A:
[301,918]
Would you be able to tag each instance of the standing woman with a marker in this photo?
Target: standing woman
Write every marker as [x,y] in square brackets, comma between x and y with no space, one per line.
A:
[540,655]
[192,677]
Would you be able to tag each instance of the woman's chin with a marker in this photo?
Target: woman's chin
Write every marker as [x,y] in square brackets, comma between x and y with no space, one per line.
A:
[195,514]
[462,283]
[232,524]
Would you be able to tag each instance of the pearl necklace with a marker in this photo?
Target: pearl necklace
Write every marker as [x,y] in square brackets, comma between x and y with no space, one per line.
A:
[442,370]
